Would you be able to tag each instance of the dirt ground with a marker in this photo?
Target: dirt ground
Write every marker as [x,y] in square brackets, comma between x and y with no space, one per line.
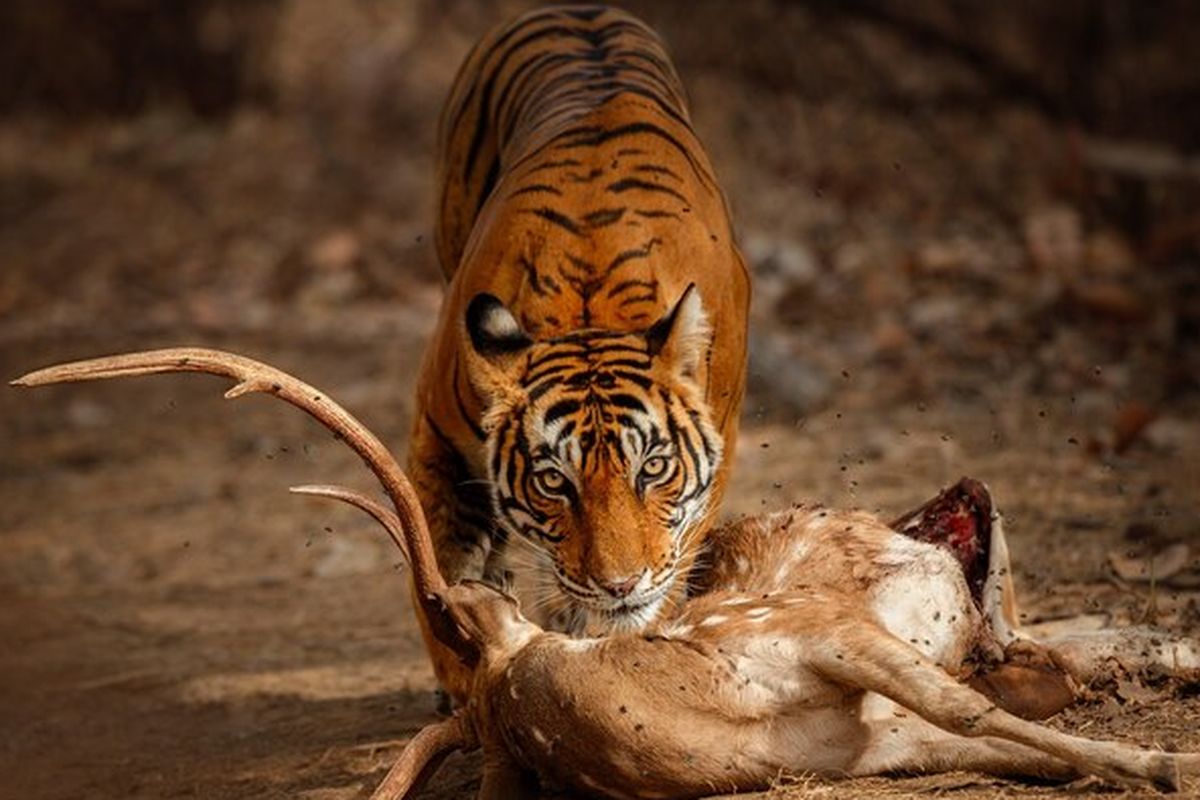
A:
[944,287]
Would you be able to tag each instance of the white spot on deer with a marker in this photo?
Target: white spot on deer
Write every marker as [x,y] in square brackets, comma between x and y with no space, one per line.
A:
[715,619]
[577,645]
[759,614]
[743,564]
[538,736]
[737,601]
[677,631]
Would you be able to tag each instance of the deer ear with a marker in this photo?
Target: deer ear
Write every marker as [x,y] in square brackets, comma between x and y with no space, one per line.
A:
[681,337]
[497,339]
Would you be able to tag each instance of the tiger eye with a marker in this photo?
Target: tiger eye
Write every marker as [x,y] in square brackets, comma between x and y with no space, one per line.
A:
[550,481]
[654,467]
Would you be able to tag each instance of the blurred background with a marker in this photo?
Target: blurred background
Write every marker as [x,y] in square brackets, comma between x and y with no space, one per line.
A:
[975,236]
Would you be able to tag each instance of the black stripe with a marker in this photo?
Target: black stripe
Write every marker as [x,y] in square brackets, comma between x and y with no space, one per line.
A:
[535,378]
[604,217]
[641,381]
[536,187]
[631,184]
[508,34]
[562,162]
[535,391]
[628,255]
[560,409]
[592,174]
[494,71]
[655,214]
[697,421]
[528,70]
[638,298]
[591,136]
[501,433]
[531,274]
[626,401]
[561,220]
[629,284]
[489,183]
[657,170]
[642,363]
[462,406]
[585,13]
[568,428]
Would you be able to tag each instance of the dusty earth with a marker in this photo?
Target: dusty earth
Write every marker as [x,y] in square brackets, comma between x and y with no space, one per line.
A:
[944,288]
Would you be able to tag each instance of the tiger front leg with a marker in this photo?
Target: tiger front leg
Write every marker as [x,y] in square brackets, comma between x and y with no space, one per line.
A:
[457,512]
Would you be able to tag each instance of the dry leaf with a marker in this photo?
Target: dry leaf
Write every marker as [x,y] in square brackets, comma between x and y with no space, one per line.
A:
[1162,565]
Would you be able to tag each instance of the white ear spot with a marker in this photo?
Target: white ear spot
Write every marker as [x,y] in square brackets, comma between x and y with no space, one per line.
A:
[499,323]
[493,329]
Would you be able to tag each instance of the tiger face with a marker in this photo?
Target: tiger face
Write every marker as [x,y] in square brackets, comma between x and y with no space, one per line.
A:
[601,456]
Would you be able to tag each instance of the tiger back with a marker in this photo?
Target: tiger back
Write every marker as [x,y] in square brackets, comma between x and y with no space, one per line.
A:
[578,403]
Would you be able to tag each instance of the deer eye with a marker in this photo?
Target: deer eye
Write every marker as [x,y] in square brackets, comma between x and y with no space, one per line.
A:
[654,468]
[550,481]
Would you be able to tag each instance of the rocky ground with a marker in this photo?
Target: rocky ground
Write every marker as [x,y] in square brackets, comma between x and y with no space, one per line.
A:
[951,278]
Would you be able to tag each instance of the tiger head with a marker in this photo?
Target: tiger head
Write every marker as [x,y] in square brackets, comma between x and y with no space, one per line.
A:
[601,458]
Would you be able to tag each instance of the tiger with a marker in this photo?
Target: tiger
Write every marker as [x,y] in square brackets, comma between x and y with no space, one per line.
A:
[577,406]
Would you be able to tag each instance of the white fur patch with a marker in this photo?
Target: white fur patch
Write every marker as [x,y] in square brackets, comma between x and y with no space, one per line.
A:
[759,614]
[500,324]
[577,645]
[925,602]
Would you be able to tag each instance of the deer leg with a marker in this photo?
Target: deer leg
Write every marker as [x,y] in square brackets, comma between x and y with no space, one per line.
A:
[1097,655]
[504,779]
[421,758]
[910,744]
[861,654]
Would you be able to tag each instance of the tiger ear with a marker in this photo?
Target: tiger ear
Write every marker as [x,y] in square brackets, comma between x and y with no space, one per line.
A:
[497,339]
[682,336]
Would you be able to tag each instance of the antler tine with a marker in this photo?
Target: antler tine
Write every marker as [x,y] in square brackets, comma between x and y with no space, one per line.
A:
[422,756]
[254,376]
[382,514]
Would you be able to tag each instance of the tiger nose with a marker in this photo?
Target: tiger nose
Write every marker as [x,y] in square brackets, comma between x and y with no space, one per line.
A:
[621,587]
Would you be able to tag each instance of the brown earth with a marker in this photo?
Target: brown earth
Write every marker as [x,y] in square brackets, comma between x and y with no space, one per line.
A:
[946,286]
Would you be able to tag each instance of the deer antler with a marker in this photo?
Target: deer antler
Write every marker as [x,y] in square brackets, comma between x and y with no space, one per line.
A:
[421,757]
[382,514]
[407,526]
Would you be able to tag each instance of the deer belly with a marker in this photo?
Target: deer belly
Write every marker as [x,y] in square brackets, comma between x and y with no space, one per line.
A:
[631,724]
